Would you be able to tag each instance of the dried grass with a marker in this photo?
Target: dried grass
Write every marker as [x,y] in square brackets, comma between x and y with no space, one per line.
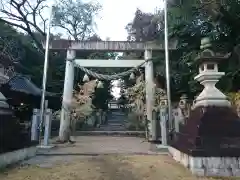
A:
[109,167]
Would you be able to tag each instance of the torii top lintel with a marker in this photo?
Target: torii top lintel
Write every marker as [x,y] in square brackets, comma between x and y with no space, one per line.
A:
[107,45]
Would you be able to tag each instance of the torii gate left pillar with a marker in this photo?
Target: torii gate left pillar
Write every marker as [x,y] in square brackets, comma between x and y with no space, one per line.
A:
[150,95]
[67,96]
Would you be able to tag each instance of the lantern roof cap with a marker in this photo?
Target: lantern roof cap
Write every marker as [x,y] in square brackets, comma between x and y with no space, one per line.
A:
[207,54]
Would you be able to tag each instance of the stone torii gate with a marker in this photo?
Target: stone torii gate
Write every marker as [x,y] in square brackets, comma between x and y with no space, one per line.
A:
[108,46]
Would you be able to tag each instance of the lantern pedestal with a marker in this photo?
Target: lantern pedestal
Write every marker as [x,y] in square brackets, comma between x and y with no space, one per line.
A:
[209,143]
[210,96]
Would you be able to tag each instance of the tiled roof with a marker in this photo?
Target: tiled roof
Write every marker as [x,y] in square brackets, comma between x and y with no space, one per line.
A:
[3,79]
[23,84]
[3,102]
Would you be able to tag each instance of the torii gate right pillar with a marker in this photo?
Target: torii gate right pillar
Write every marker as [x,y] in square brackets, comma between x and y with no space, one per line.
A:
[150,92]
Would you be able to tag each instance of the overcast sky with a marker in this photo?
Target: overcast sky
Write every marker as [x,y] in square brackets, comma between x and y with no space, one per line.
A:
[116,14]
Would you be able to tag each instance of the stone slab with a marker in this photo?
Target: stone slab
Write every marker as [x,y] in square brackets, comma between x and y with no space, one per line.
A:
[45,147]
[110,133]
[162,148]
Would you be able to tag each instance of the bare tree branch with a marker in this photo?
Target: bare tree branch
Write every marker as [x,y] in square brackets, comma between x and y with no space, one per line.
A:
[63,27]
[17,13]
[14,24]
[77,18]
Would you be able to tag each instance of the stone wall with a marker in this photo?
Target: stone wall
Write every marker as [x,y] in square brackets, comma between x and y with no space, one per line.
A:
[208,166]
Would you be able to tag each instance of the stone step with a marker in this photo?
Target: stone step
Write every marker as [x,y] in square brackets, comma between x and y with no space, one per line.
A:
[111,126]
[111,133]
[111,129]
[117,114]
[114,124]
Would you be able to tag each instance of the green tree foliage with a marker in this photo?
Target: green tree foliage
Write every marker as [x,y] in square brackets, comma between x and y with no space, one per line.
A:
[218,20]
[188,22]
[29,17]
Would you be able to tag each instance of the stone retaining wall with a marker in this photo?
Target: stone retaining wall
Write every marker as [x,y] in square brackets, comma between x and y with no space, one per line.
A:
[16,156]
[208,166]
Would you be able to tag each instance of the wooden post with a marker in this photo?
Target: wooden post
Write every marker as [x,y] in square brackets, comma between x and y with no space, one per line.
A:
[150,92]
[64,131]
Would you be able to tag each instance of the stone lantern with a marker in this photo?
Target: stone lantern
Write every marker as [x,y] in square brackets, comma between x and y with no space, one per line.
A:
[208,76]
[163,120]
[183,105]
[163,101]
[183,101]
[208,143]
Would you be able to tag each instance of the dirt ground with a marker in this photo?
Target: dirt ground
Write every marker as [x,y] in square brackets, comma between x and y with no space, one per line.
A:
[105,167]
[100,158]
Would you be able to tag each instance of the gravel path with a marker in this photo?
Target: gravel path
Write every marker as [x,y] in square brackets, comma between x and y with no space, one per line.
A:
[86,145]
[99,158]
[105,167]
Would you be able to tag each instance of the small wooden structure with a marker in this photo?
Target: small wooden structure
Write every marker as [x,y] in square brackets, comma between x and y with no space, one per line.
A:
[20,90]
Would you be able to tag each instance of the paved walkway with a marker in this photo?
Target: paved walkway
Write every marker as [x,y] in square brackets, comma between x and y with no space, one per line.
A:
[100,158]
[92,145]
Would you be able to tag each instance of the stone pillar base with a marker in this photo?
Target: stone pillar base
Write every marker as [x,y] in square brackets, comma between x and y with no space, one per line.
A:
[208,166]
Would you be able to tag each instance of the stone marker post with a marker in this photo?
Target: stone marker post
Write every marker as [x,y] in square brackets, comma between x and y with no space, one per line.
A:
[35,124]
[163,119]
[47,131]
